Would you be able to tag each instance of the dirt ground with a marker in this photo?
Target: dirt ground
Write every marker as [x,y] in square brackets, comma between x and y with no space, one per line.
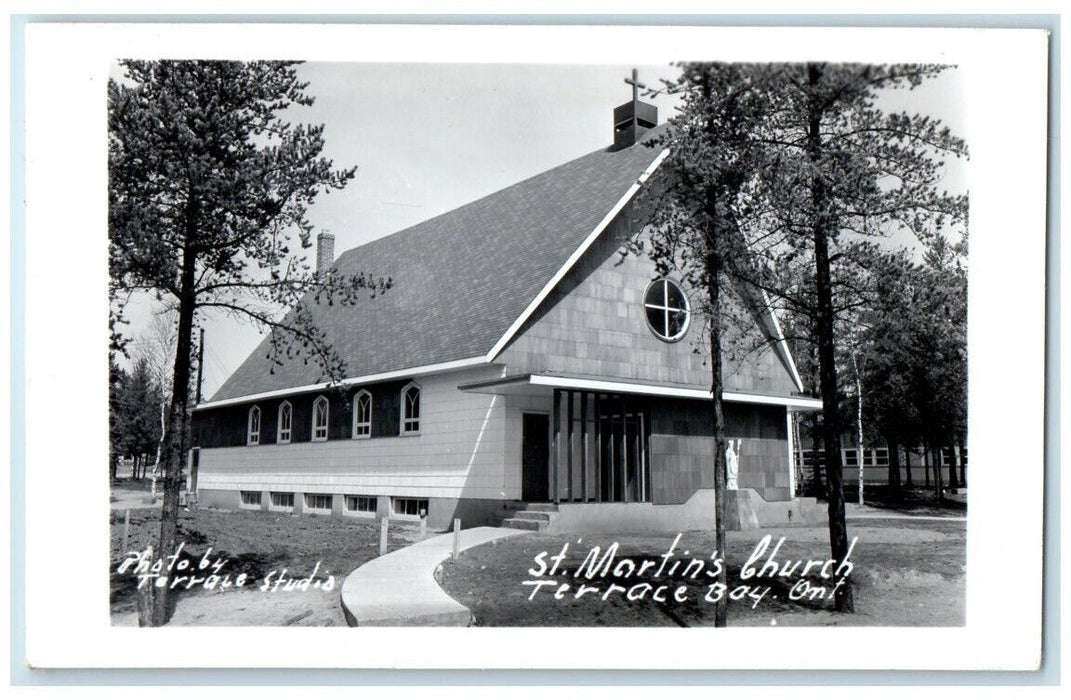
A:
[907,573]
[133,495]
[257,544]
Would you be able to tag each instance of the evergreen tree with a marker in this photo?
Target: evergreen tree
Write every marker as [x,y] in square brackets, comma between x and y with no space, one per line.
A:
[696,220]
[117,419]
[209,189]
[840,171]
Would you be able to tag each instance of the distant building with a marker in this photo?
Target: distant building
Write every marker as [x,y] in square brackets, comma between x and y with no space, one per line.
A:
[518,357]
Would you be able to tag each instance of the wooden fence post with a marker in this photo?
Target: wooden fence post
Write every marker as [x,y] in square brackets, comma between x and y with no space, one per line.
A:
[126,532]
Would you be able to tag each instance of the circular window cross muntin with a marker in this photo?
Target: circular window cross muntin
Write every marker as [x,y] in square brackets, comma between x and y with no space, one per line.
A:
[667,310]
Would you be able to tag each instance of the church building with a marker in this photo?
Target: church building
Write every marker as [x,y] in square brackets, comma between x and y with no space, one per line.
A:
[523,369]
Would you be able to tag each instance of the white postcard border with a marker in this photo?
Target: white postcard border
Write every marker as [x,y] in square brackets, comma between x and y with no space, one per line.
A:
[66,342]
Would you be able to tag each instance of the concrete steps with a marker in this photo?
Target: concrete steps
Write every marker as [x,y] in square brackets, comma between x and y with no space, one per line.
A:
[528,516]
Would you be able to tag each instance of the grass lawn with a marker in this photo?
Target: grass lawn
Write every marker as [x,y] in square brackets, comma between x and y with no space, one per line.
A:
[907,573]
[255,543]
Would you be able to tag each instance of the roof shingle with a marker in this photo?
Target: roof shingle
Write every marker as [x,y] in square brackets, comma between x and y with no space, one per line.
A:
[459,279]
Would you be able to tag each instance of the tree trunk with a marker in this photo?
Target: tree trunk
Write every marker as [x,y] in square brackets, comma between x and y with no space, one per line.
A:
[159,447]
[713,264]
[953,480]
[721,607]
[894,464]
[824,225]
[818,489]
[926,459]
[145,597]
[962,461]
[935,455]
[173,452]
[907,459]
[861,453]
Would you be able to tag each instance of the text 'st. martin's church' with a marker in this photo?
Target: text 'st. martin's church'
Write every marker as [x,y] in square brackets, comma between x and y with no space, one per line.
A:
[520,370]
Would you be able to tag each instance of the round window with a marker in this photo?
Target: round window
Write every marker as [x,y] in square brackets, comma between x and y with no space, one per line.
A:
[667,310]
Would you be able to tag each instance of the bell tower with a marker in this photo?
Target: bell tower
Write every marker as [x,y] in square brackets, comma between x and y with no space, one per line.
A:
[633,119]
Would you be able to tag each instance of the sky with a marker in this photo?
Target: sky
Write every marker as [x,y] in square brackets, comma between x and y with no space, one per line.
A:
[427,138]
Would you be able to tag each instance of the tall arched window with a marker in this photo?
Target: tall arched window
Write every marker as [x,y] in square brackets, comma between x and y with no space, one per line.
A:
[362,414]
[319,419]
[286,420]
[410,409]
[253,426]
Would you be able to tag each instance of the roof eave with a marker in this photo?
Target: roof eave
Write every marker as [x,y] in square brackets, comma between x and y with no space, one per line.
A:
[515,327]
[423,370]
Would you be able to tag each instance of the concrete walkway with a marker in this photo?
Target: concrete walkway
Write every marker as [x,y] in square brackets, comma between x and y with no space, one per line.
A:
[400,589]
[854,511]
[905,516]
[132,499]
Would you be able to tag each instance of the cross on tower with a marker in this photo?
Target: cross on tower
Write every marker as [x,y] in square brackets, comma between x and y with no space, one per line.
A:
[636,85]
[634,118]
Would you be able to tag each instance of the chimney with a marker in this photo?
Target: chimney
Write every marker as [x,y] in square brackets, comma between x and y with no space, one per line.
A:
[633,119]
[325,253]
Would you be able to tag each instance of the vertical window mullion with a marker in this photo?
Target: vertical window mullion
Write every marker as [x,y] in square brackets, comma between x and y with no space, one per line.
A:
[665,310]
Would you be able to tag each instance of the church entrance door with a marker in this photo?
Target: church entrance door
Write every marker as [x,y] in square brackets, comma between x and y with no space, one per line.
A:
[535,458]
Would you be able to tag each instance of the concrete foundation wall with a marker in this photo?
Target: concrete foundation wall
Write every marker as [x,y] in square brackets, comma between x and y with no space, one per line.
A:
[441,511]
[636,518]
[745,509]
[215,498]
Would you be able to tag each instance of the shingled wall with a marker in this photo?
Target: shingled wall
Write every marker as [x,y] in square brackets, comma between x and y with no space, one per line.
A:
[593,324]
[682,450]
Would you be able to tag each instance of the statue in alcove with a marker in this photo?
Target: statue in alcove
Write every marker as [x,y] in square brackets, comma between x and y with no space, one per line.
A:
[732,464]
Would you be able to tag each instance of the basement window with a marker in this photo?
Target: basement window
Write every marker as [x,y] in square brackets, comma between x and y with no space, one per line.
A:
[250,499]
[667,310]
[412,507]
[318,501]
[363,505]
[282,501]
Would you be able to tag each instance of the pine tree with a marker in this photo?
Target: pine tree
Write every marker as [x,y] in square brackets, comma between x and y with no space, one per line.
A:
[697,215]
[845,170]
[209,189]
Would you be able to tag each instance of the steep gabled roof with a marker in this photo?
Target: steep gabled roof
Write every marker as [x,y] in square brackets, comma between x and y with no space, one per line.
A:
[463,279]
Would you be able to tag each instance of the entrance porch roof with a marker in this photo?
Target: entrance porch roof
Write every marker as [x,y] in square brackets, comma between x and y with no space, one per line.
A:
[544,384]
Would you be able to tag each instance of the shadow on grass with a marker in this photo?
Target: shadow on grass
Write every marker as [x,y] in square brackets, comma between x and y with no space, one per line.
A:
[911,501]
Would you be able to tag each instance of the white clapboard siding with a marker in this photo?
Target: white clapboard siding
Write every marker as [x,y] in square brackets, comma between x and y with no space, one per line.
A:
[461,452]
